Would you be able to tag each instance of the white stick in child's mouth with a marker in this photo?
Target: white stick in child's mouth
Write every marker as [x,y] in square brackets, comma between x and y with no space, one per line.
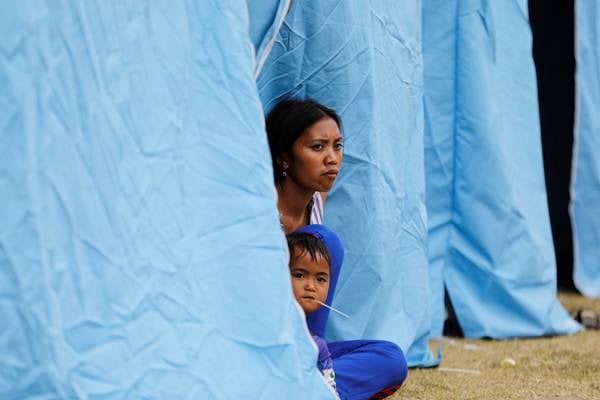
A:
[331,308]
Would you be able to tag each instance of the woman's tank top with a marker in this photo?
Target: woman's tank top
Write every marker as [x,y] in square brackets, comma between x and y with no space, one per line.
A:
[316,209]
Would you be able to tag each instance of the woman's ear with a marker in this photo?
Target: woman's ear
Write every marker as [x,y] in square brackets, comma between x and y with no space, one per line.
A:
[280,162]
[284,161]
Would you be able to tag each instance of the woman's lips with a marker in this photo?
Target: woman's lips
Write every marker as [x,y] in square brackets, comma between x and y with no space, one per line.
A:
[331,174]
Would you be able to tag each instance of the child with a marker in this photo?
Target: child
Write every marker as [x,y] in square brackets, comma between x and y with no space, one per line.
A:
[310,268]
[363,368]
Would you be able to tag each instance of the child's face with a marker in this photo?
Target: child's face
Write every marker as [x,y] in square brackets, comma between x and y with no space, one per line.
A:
[310,280]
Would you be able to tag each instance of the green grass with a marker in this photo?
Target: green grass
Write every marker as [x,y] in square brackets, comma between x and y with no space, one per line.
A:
[566,367]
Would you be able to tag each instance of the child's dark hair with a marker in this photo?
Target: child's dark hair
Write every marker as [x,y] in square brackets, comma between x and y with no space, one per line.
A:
[308,243]
[286,122]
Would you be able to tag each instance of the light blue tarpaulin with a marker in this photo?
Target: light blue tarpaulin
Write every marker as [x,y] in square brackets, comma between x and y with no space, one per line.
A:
[585,184]
[266,18]
[490,239]
[364,60]
[140,250]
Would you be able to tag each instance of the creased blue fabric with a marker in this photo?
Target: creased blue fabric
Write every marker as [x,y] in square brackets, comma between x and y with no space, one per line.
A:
[490,239]
[266,18]
[364,60]
[140,249]
[585,185]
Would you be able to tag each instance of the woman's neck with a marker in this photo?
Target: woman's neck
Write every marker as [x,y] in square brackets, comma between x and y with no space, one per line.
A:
[292,202]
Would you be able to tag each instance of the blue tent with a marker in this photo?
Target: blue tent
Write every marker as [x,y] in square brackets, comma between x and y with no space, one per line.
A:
[140,249]
[490,242]
[585,183]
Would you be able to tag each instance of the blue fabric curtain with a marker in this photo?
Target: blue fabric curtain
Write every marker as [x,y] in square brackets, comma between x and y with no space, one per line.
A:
[585,184]
[490,241]
[140,250]
[364,60]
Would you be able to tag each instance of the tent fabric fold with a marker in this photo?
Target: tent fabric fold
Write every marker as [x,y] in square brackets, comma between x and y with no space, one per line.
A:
[266,18]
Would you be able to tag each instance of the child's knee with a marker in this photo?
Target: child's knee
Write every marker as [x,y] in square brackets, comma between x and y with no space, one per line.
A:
[397,367]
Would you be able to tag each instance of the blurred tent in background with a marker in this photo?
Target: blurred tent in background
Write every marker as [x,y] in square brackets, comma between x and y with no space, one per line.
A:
[139,214]
[585,184]
[490,242]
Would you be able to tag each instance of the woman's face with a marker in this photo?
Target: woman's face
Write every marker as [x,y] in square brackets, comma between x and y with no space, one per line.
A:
[316,156]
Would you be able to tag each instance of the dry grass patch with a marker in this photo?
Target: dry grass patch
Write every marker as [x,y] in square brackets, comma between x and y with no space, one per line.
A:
[566,367]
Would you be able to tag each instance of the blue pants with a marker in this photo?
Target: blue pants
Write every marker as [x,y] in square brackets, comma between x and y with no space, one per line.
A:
[364,367]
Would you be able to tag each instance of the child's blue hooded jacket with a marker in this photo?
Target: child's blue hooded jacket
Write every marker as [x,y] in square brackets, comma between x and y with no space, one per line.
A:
[317,321]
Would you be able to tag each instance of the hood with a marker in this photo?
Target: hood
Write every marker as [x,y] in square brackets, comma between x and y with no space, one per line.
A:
[317,321]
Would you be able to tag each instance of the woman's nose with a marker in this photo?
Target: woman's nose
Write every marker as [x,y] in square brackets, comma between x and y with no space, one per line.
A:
[331,158]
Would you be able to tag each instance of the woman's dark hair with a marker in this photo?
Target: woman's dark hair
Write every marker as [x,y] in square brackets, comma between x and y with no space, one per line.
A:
[286,122]
[308,243]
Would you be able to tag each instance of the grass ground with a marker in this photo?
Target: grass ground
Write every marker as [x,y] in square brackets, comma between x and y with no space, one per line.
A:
[566,367]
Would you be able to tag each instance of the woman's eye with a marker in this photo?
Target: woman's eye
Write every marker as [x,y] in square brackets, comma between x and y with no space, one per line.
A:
[317,147]
[339,146]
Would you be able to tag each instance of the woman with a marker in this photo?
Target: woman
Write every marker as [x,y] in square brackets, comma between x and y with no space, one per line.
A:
[307,152]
